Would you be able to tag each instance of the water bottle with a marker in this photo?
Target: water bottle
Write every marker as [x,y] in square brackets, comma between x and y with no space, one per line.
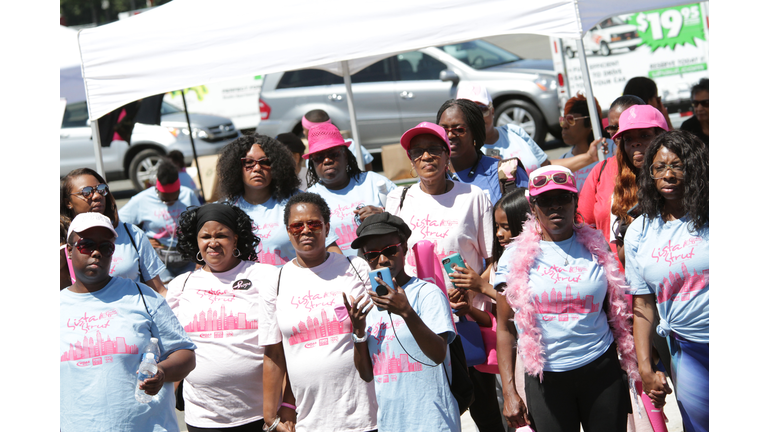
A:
[381,186]
[153,348]
[147,369]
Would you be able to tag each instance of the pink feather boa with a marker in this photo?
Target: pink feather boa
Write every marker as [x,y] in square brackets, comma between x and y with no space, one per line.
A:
[520,299]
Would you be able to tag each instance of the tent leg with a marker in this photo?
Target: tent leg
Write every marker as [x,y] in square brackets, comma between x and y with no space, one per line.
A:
[97,148]
[597,128]
[192,140]
[352,116]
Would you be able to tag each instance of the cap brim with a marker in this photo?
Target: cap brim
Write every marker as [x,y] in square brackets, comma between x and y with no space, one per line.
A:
[405,140]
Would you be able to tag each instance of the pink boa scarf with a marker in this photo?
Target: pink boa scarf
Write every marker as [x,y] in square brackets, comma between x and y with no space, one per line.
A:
[520,299]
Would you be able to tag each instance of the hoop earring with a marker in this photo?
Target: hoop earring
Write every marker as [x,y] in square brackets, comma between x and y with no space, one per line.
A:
[413,172]
[236,253]
[199,256]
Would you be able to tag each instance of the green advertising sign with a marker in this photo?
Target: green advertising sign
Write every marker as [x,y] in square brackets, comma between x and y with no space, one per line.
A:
[669,27]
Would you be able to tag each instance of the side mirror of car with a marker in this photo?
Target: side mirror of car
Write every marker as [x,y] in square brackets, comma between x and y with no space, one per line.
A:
[449,75]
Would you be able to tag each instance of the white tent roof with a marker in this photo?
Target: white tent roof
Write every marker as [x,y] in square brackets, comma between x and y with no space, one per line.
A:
[191,42]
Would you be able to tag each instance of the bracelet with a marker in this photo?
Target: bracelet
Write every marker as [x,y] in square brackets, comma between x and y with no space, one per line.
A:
[287,405]
[273,427]
[356,339]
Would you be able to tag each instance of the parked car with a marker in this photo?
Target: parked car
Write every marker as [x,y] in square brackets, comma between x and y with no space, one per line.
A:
[610,34]
[396,93]
[138,161]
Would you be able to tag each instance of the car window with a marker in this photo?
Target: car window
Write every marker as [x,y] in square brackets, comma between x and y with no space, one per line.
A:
[308,78]
[75,115]
[377,72]
[167,108]
[479,54]
[416,65]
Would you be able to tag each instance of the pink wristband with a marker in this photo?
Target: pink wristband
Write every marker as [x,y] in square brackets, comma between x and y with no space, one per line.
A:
[287,405]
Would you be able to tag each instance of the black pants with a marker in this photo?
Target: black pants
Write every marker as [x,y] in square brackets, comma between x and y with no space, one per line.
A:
[485,409]
[248,427]
[595,395]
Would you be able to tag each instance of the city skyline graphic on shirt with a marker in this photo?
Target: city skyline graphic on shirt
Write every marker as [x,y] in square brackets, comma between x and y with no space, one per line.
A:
[387,362]
[555,303]
[313,329]
[88,349]
[211,321]
[683,287]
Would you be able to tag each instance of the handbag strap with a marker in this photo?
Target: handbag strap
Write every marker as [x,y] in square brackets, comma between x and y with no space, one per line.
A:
[130,237]
[353,268]
[145,307]
[279,275]
[402,197]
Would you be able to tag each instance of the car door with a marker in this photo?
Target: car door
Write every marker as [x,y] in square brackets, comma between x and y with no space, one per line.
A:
[76,143]
[378,116]
[419,91]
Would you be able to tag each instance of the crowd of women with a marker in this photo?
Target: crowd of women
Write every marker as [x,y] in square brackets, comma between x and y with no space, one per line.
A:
[329,310]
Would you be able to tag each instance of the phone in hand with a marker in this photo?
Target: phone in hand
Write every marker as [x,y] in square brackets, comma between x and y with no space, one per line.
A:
[450,260]
[383,274]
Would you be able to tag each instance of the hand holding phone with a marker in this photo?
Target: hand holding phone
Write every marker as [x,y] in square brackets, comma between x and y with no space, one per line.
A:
[450,261]
[383,274]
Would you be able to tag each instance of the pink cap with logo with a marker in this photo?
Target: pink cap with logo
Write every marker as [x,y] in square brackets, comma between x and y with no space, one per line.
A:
[425,128]
[640,117]
[546,175]
[323,136]
[475,93]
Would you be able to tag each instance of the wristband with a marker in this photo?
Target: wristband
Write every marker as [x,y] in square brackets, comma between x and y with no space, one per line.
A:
[356,339]
[273,427]
[287,405]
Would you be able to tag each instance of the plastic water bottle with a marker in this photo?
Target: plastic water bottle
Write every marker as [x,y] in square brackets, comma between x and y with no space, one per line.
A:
[381,186]
[152,347]
[147,369]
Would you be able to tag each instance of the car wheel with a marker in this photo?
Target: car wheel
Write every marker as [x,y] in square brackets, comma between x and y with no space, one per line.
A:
[604,49]
[632,48]
[523,114]
[569,52]
[143,168]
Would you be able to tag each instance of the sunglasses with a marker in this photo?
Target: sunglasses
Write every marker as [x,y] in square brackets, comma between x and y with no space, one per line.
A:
[320,157]
[418,153]
[560,178]
[570,119]
[250,164]
[703,102]
[458,131]
[388,251]
[87,246]
[658,171]
[297,228]
[87,191]
[549,201]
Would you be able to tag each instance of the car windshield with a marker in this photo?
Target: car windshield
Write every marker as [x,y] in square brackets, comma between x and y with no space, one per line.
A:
[612,22]
[167,108]
[479,54]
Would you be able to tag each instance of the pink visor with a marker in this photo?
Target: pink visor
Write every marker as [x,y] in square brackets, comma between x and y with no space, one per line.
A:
[169,188]
[308,124]
[551,177]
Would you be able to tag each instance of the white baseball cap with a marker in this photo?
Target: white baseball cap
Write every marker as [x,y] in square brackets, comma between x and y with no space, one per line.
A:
[475,93]
[85,221]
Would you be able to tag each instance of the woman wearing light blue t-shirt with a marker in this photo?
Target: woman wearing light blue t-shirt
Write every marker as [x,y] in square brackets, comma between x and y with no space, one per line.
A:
[667,267]
[257,173]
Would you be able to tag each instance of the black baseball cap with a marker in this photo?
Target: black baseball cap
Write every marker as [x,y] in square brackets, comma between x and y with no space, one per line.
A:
[380,224]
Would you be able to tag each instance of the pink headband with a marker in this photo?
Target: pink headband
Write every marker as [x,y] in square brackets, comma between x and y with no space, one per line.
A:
[169,188]
[308,124]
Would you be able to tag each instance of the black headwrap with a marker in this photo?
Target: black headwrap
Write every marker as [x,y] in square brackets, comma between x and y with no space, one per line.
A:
[221,213]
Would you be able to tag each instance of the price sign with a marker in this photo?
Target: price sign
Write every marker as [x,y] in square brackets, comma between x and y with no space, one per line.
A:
[669,27]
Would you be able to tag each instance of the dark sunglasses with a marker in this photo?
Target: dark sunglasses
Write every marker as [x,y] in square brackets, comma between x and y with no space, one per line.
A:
[320,157]
[388,251]
[549,201]
[418,153]
[703,102]
[87,246]
[250,164]
[560,178]
[298,227]
[458,131]
[87,191]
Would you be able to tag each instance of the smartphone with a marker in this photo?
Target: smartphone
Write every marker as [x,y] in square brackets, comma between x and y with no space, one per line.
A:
[495,153]
[450,260]
[383,274]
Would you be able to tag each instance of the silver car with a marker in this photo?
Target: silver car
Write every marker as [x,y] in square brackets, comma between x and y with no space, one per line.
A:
[395,94]
[148,143]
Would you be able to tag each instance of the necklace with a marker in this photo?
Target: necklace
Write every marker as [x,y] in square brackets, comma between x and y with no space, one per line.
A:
[327,255]
[567,254]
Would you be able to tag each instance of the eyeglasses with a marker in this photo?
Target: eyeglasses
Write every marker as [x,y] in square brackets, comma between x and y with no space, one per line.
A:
[703,102]
[549,201]
[250,164]
[87,246]
[560,178]
[570,119]
[418,153]
[611,129]
[458,131]
[388,251]
[658,170]
[297,228]
[319,157]
[87,191]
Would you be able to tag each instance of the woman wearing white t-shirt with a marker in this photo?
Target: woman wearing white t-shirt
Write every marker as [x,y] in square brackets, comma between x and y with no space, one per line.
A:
[307,334]
[218,305]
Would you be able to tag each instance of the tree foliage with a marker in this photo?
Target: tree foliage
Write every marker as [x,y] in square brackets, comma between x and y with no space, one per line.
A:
[85,12]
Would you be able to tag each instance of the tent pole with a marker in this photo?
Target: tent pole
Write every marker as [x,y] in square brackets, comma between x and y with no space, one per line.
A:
[597,128]
[352,116]
[192,140]
[97,148]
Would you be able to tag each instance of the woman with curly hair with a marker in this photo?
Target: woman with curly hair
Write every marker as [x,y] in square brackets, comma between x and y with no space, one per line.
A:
[667,267]
[218,306]
[257,174]
[334,175]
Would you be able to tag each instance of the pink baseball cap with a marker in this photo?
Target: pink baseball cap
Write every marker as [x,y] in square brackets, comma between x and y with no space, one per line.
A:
[640,117]
[551,177]
[323,136]
[475,93]
[425,128]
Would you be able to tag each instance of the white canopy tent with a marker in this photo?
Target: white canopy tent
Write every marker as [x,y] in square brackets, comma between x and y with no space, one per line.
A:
[186,43]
